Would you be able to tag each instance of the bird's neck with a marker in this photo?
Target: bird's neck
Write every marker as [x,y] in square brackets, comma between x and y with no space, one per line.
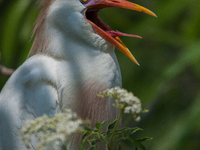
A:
[65,35]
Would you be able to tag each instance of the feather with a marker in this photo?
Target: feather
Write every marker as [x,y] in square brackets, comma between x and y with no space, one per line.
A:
[69,65]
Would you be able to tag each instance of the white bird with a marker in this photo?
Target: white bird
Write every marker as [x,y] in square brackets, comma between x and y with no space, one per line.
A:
[72,60]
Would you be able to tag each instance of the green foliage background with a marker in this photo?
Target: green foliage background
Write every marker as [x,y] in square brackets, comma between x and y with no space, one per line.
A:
[168,80]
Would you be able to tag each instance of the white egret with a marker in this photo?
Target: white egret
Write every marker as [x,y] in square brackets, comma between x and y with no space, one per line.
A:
[71,60]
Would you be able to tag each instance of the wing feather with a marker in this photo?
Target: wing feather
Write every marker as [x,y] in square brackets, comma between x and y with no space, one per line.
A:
[29,93]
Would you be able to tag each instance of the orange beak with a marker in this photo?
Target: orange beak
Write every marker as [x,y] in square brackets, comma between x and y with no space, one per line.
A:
[104,30]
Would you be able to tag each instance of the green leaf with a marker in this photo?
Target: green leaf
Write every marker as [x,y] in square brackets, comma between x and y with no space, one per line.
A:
[140,145]
[133,130]
[87,128]
[103,124]
[122,130]
[97,125]
[137,143]
[85,135]
[145,139]
[96,130]
[84,138]
[108,133]
[93,141]
[103,133]
[111,126]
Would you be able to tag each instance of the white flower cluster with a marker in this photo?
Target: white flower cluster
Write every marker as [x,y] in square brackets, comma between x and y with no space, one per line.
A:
[51,131]
[125,100]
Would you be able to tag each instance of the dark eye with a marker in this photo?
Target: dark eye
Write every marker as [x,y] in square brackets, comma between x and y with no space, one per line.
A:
[84,1]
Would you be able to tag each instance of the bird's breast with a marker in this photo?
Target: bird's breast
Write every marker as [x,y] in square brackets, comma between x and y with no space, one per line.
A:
[81,81]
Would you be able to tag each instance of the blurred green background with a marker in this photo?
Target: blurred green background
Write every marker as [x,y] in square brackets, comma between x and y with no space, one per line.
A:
[168,79]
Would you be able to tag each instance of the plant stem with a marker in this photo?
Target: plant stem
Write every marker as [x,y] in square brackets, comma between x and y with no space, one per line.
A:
[112,138]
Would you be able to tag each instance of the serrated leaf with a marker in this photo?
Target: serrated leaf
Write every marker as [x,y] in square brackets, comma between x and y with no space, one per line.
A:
[111,126]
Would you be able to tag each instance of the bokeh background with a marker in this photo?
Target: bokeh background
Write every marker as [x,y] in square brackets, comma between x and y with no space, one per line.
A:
[168,79]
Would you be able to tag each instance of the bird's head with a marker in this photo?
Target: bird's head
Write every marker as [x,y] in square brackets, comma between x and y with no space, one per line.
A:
[102,29]
[79,17]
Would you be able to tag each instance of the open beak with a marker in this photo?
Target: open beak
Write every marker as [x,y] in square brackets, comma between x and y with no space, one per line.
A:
[91,14]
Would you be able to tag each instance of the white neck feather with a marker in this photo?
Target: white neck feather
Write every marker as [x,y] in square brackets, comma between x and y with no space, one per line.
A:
[62,31]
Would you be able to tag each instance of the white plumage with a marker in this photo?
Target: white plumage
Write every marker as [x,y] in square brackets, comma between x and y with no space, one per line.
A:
[70,65]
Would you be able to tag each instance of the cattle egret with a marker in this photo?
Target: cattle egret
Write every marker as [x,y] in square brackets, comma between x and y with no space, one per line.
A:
[71,60]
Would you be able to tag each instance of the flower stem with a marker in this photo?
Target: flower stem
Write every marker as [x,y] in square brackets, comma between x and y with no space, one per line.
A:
[112,138]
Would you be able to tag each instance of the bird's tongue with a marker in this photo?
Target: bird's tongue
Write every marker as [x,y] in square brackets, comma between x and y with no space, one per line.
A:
[113,37]
[118,33]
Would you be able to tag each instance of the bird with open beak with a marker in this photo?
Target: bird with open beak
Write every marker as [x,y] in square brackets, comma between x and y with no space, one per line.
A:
[71,60]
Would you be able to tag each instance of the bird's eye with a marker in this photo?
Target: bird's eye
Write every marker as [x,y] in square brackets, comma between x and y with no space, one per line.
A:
[84,1]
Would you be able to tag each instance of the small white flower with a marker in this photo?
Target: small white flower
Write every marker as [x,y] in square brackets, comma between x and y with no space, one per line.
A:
[51,131]
[124,100]
[127,109]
